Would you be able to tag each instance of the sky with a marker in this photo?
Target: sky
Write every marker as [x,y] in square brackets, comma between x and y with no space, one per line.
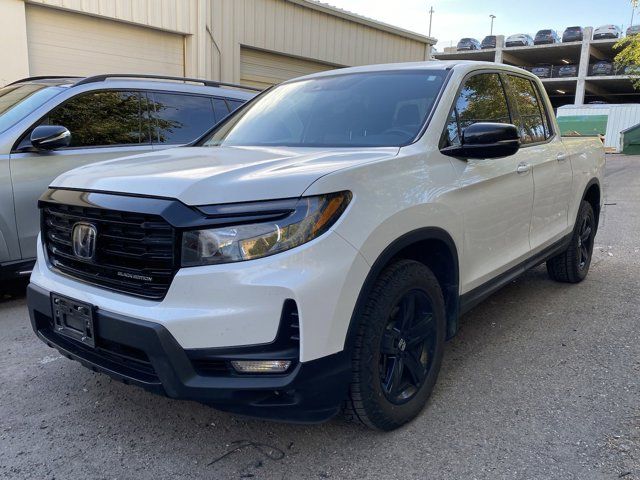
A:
[454,19]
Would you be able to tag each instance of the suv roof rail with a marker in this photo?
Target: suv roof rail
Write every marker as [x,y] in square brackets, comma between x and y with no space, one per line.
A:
[208,83]
[43,77]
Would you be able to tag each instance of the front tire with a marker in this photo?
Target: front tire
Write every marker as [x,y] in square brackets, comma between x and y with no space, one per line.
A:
[399,347]
[572,265]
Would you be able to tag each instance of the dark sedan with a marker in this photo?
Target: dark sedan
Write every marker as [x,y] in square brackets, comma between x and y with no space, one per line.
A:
[573,34]
[468,44]
[568,71]
[488,42]
[602,68]
[542,71]
[545,37]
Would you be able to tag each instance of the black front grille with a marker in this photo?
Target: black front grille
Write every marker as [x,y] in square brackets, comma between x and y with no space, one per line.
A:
[135,252]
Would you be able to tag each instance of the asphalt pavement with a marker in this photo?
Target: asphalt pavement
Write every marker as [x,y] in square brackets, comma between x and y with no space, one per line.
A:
[542,382]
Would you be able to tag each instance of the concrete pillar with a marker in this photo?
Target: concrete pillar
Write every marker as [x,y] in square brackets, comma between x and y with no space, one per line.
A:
[499,49]
[583,66]
[14,54]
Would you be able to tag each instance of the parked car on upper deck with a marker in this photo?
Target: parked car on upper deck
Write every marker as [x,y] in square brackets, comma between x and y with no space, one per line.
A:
[568,71]
[50,124]
[542,70]
[488,42]
[573,34]
[603,67]
[545,37]
[633,30]
[519,40]
[314,250]
[468,44]
[607,32]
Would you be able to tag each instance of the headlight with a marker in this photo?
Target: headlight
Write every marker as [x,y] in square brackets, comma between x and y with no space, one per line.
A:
[308,218]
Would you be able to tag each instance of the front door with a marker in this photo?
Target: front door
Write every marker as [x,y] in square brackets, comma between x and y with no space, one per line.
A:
[495,195]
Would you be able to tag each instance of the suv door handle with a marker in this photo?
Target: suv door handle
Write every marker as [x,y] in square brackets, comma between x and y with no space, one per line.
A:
[523,167]
[561,157]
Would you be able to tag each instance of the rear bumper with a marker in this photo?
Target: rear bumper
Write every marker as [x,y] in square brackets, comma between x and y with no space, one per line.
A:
[145,354]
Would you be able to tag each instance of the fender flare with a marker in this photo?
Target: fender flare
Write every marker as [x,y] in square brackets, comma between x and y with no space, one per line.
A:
[422,234]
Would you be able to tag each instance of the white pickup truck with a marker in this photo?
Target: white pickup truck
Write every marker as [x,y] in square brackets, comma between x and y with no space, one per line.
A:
[313,252]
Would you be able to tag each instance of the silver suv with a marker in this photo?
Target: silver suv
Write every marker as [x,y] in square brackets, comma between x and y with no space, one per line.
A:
[49,125]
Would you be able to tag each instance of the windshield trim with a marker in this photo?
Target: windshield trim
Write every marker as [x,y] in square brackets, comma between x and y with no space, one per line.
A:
[200,142]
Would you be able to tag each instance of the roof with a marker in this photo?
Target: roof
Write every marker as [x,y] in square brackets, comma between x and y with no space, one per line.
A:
[369,22]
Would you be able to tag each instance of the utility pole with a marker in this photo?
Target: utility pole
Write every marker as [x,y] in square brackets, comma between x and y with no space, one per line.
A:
[431,12]
[492,17]
[634,5]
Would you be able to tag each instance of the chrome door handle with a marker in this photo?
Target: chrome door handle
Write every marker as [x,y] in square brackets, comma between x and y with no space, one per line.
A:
[523,167]
[561,157]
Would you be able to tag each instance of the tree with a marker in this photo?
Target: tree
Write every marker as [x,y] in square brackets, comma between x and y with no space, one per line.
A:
[628,57]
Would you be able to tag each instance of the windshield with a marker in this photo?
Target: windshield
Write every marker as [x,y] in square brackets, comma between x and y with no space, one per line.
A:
[18,101]
[373,109]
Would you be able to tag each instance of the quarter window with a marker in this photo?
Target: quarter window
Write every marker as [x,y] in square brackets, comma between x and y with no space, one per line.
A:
[533,123]
[482,99]
[101,119]
[179,119]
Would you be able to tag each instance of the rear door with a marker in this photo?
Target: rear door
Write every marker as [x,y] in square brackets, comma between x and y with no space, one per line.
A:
[103,125]
[495,195]
[542,148]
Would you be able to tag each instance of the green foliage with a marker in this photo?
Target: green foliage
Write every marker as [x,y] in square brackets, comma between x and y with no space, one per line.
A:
[628,57]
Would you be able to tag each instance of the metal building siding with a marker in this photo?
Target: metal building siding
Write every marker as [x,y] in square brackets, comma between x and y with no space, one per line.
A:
[287,28]
[620,117]
[172,15]
[263,69]
[64,43]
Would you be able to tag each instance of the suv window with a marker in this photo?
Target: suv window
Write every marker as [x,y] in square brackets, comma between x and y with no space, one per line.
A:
[533,124]
[101,118]
[180,118]
[220,108]
[482,99]
[235,104]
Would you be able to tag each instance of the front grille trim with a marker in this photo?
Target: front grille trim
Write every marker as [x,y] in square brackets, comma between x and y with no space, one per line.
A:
[130,243]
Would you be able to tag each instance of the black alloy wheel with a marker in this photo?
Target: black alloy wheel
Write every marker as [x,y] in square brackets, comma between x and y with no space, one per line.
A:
[407,349]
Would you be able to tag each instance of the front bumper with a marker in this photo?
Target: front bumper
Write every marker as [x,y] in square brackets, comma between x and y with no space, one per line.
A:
[145,354]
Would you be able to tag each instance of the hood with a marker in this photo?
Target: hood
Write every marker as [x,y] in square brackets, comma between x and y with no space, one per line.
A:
[211,175]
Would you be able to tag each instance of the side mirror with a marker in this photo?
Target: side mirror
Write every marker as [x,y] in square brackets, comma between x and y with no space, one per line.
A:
[50,137]
[486,140]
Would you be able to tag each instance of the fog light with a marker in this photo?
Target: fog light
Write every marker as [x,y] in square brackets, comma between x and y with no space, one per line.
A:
[261,366]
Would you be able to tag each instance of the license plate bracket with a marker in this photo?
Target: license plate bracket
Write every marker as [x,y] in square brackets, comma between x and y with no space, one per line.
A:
[73,319]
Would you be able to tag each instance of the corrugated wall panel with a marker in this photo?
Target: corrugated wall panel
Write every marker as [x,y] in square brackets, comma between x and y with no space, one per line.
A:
[172,15]
[63,43]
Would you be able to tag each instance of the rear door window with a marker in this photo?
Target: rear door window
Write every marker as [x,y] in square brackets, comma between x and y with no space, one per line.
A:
[482,99]
[533,121]
[179,118]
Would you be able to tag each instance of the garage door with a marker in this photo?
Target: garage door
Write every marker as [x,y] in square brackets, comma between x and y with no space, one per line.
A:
[263,69]
[64,43]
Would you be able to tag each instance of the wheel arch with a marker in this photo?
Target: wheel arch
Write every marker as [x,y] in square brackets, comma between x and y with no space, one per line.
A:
[593,195]
[433,247]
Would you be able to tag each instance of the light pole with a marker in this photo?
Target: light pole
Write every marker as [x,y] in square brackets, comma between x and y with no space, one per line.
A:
[431,11]
[634,5]
[493,16]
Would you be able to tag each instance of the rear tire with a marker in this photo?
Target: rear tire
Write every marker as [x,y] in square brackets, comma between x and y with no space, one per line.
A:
[399,347]
[572,265]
